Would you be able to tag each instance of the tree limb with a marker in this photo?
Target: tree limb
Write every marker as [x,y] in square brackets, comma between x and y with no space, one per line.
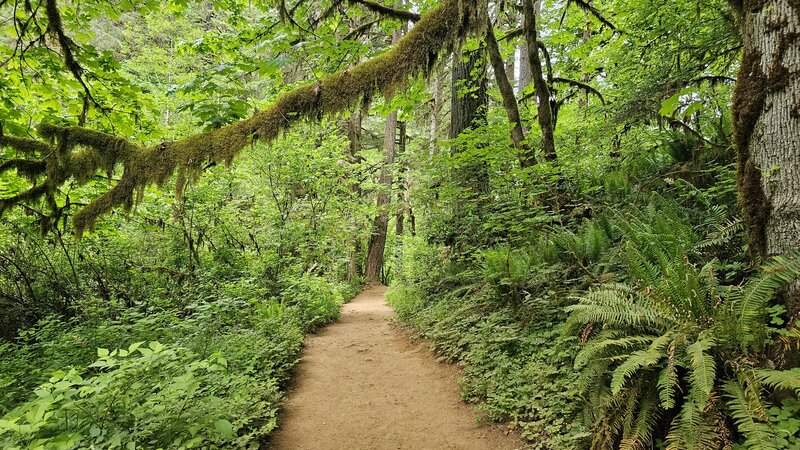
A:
[580,85]
[384,10]
[78,153]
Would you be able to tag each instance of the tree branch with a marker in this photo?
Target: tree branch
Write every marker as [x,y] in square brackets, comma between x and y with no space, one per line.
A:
[388,11]
[78,153]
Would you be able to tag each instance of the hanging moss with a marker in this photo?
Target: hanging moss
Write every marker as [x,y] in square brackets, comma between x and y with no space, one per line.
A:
[80,153]
[25,167]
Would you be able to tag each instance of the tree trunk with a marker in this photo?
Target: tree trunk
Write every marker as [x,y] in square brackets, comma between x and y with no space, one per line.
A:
[468,93]
[380,224]
[546,122]
[525,76]
[766,111]
[436,106]
[468,109]
[354,253]
[402,183]
[524,153]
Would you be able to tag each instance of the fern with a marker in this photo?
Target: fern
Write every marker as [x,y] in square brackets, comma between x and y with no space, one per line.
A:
[722,234]
[668,380]
[666,335]
[638,360]
[640,435]
[747,411]
[703,368]
[780,379]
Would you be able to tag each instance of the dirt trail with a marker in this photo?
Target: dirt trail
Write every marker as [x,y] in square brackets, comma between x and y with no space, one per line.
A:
[363,385]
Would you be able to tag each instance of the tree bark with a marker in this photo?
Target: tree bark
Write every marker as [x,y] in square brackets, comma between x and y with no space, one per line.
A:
[524,153]
[546,122]
[437,105]
[468,109]
[766,112]
[354,269]
[525,75]
[468,93]
[380,224]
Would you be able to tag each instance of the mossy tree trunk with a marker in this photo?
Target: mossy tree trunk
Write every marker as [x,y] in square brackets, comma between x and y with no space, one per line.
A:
[544,108]
[766,111]
[524,153]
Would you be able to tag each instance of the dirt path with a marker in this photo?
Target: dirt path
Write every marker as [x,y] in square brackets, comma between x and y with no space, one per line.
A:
[362,385]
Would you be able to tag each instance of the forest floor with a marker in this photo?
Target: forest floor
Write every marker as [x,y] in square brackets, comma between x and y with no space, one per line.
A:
[362,384]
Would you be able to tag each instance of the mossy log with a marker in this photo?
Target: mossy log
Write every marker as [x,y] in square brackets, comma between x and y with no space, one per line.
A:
[76,153]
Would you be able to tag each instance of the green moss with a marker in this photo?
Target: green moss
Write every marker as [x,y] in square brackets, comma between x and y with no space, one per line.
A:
[24,145]
[749,98]
[25,167]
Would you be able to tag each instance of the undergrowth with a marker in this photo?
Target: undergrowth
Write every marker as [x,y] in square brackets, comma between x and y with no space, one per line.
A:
[208,375]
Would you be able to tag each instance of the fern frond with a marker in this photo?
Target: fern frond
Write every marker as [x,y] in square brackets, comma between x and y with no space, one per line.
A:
[761,289]
[747,411]
[640,435]
[692,428]
[668,381]
[780,379]
[615,308]
[722,234]
[640,359]
[703,369]
[607,343]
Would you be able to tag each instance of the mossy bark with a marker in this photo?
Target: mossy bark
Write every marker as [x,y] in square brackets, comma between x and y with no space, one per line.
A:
[524,152]
[546,117]
[767,129]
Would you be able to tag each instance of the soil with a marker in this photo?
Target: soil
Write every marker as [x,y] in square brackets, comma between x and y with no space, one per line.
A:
[363,384]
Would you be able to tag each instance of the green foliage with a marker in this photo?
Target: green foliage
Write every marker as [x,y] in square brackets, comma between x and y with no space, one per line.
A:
[675,327]
[217,383]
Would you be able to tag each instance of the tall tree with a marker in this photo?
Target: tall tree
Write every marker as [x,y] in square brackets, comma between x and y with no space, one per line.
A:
[380,224]
[526,156]
[766,111]
[544,107]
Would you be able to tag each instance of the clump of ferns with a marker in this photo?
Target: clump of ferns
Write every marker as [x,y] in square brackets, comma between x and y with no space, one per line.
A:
[677,356]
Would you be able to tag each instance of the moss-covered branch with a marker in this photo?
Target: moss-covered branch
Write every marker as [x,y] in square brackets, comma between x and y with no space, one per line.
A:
[78,153]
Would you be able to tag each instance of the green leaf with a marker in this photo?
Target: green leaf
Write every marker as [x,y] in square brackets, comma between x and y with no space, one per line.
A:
[224,428]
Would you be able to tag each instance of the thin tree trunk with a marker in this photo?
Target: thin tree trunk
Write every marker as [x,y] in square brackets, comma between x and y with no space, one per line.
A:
[354,252]
[545,111]
[380,224]
[525,75]
[524,153]
[587,34]
[766,111]
[510,70]
[402,180]
[437,105]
